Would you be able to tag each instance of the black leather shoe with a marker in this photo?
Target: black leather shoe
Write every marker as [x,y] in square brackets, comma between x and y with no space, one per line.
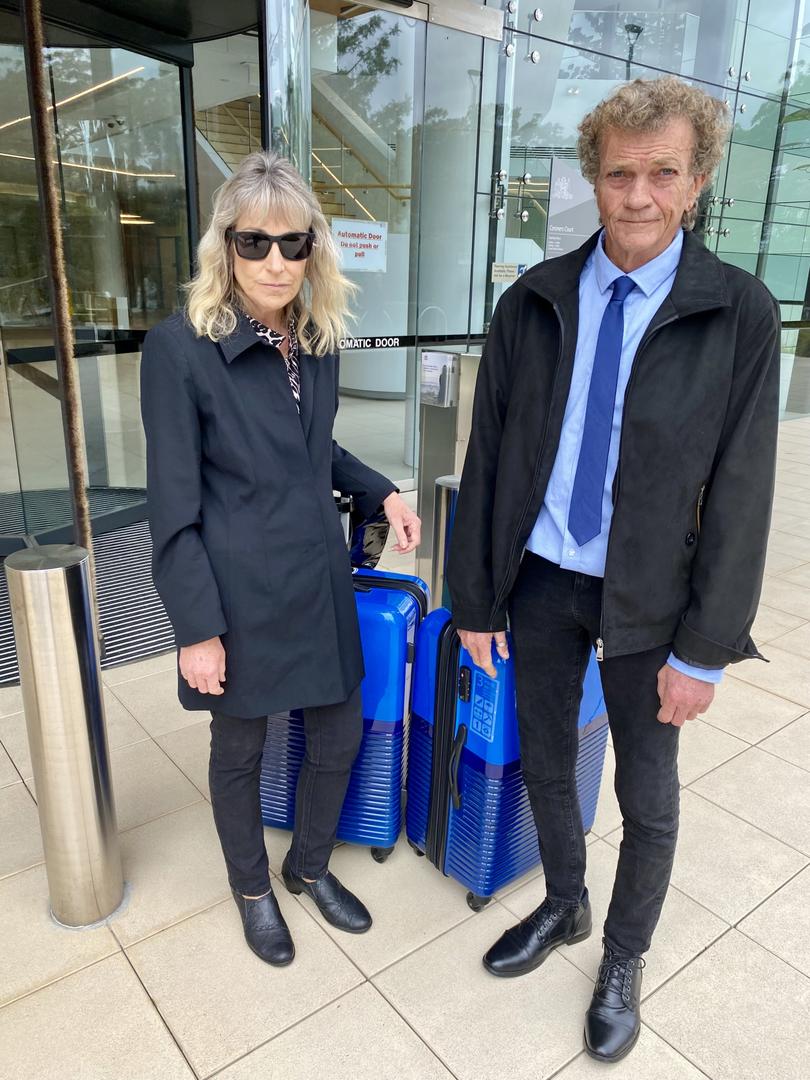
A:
[524,947]
[613,1022]
[334,901]
[265,929]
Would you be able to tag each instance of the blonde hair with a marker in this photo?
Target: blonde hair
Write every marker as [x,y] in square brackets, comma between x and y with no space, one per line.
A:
[648,105]
[266,184]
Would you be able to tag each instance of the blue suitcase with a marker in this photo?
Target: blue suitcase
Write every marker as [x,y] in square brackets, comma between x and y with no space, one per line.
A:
[390,608]
[468,810]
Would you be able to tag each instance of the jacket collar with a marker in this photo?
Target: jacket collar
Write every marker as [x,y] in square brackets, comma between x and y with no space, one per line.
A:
[239,340]
[699,285]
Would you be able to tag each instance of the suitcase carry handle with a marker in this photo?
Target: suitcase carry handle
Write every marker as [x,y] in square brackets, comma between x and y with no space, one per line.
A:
[455,762]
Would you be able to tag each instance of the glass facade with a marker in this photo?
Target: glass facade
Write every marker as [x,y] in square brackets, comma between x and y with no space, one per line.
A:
[443,151]
[123,193]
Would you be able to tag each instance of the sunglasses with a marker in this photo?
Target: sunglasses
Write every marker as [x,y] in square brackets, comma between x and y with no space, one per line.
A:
[257,245]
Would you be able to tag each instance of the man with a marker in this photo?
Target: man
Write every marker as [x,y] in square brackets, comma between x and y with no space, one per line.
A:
[616,494]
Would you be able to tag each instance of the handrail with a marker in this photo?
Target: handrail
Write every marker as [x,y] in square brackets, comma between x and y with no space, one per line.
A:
[372,172]
[28,281]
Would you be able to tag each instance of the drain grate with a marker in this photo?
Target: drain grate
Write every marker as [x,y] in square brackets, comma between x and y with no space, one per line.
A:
[133,619]
[37,511]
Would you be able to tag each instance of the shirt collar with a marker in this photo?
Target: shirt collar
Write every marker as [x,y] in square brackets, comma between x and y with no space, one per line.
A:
[648,277]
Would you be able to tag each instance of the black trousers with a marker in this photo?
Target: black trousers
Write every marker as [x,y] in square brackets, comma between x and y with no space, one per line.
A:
[333,735]
[555,619]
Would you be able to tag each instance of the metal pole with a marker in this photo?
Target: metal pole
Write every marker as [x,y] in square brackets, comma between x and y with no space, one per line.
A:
[63,331]
[53,618]
[444,512]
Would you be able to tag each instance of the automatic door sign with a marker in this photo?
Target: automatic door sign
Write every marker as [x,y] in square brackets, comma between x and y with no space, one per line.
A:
[362,245]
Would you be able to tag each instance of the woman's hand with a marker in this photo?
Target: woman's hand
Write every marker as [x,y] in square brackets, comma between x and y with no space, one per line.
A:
[404,522]
[203,666]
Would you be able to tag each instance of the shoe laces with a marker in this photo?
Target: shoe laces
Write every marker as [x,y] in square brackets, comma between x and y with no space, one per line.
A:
[546,915]
[616,973]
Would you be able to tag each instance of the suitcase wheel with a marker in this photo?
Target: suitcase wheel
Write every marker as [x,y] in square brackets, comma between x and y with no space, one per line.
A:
[417,850]
[477,903]
[380,854]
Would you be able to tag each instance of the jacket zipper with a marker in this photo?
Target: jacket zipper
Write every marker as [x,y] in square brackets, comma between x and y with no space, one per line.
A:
[502,590]
[699,508]
[600,641]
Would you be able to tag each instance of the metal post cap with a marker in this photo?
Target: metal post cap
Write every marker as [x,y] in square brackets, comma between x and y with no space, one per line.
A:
[46,557]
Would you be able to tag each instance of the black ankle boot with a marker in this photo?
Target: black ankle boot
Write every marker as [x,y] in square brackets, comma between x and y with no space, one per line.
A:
[613,1022]
[524,947]
[338,906]
[266,932]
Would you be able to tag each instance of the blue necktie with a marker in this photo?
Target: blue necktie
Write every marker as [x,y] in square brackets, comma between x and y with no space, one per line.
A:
[585,514]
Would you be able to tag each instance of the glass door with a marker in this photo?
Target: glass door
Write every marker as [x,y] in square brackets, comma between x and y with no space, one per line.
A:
[368,70]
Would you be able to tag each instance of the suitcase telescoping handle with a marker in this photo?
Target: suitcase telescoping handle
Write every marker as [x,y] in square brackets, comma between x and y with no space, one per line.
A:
[455,762]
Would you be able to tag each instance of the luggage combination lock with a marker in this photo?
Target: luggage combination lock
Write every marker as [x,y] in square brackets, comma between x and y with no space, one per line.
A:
[464,684]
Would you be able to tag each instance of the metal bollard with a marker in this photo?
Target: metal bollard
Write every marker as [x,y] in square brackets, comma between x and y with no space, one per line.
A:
[49,588]
[444,512]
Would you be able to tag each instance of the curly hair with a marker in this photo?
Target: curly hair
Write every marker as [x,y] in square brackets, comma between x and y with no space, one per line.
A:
[267,184]
[648,105]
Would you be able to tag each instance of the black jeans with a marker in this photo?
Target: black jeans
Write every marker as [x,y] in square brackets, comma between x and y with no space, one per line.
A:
[333,736]
[555,619]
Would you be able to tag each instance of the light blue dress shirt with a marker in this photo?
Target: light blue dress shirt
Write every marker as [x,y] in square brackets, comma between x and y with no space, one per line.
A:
[550,537]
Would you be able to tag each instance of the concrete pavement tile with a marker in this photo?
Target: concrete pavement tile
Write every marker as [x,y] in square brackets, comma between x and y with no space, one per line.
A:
[650,1059]
[737,1011]
[114,676]
[770,624]
[8,774]
[174,868]
[153,702]
[771,793]
[782,923]
[792,743]
[724,863]
[685,928]
[97,1024]
[485,1028]
[147,784]
[35,950]
[410,901]
[786,674]
[22,841]
[747,712]
[122,730]
[220,1000]
[357,1037]
[702,748]
[190,748]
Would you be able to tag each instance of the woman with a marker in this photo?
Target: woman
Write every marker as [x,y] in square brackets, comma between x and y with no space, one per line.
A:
[239,394]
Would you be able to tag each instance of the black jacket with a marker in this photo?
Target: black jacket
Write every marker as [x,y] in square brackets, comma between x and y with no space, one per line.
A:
[247,540]
[694,483]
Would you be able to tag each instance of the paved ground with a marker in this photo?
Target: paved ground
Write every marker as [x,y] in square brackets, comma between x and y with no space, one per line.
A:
[169,990]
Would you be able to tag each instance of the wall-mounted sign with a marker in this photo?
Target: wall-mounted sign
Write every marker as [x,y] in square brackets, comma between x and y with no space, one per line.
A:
[507,272]
[572,212]
[362,244]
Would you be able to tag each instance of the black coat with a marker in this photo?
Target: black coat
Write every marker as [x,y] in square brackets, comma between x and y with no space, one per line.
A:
[694,483]
[247,540]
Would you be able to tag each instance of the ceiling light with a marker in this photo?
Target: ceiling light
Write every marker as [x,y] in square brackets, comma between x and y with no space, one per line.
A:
[99,168]
[75,97]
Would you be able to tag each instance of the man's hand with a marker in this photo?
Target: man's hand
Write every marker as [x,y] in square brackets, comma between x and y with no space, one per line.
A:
[404,522]
[479,646]
[681,696]
[203,666]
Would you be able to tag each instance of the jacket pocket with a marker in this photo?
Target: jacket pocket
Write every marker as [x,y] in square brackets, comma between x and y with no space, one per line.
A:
[699,507]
